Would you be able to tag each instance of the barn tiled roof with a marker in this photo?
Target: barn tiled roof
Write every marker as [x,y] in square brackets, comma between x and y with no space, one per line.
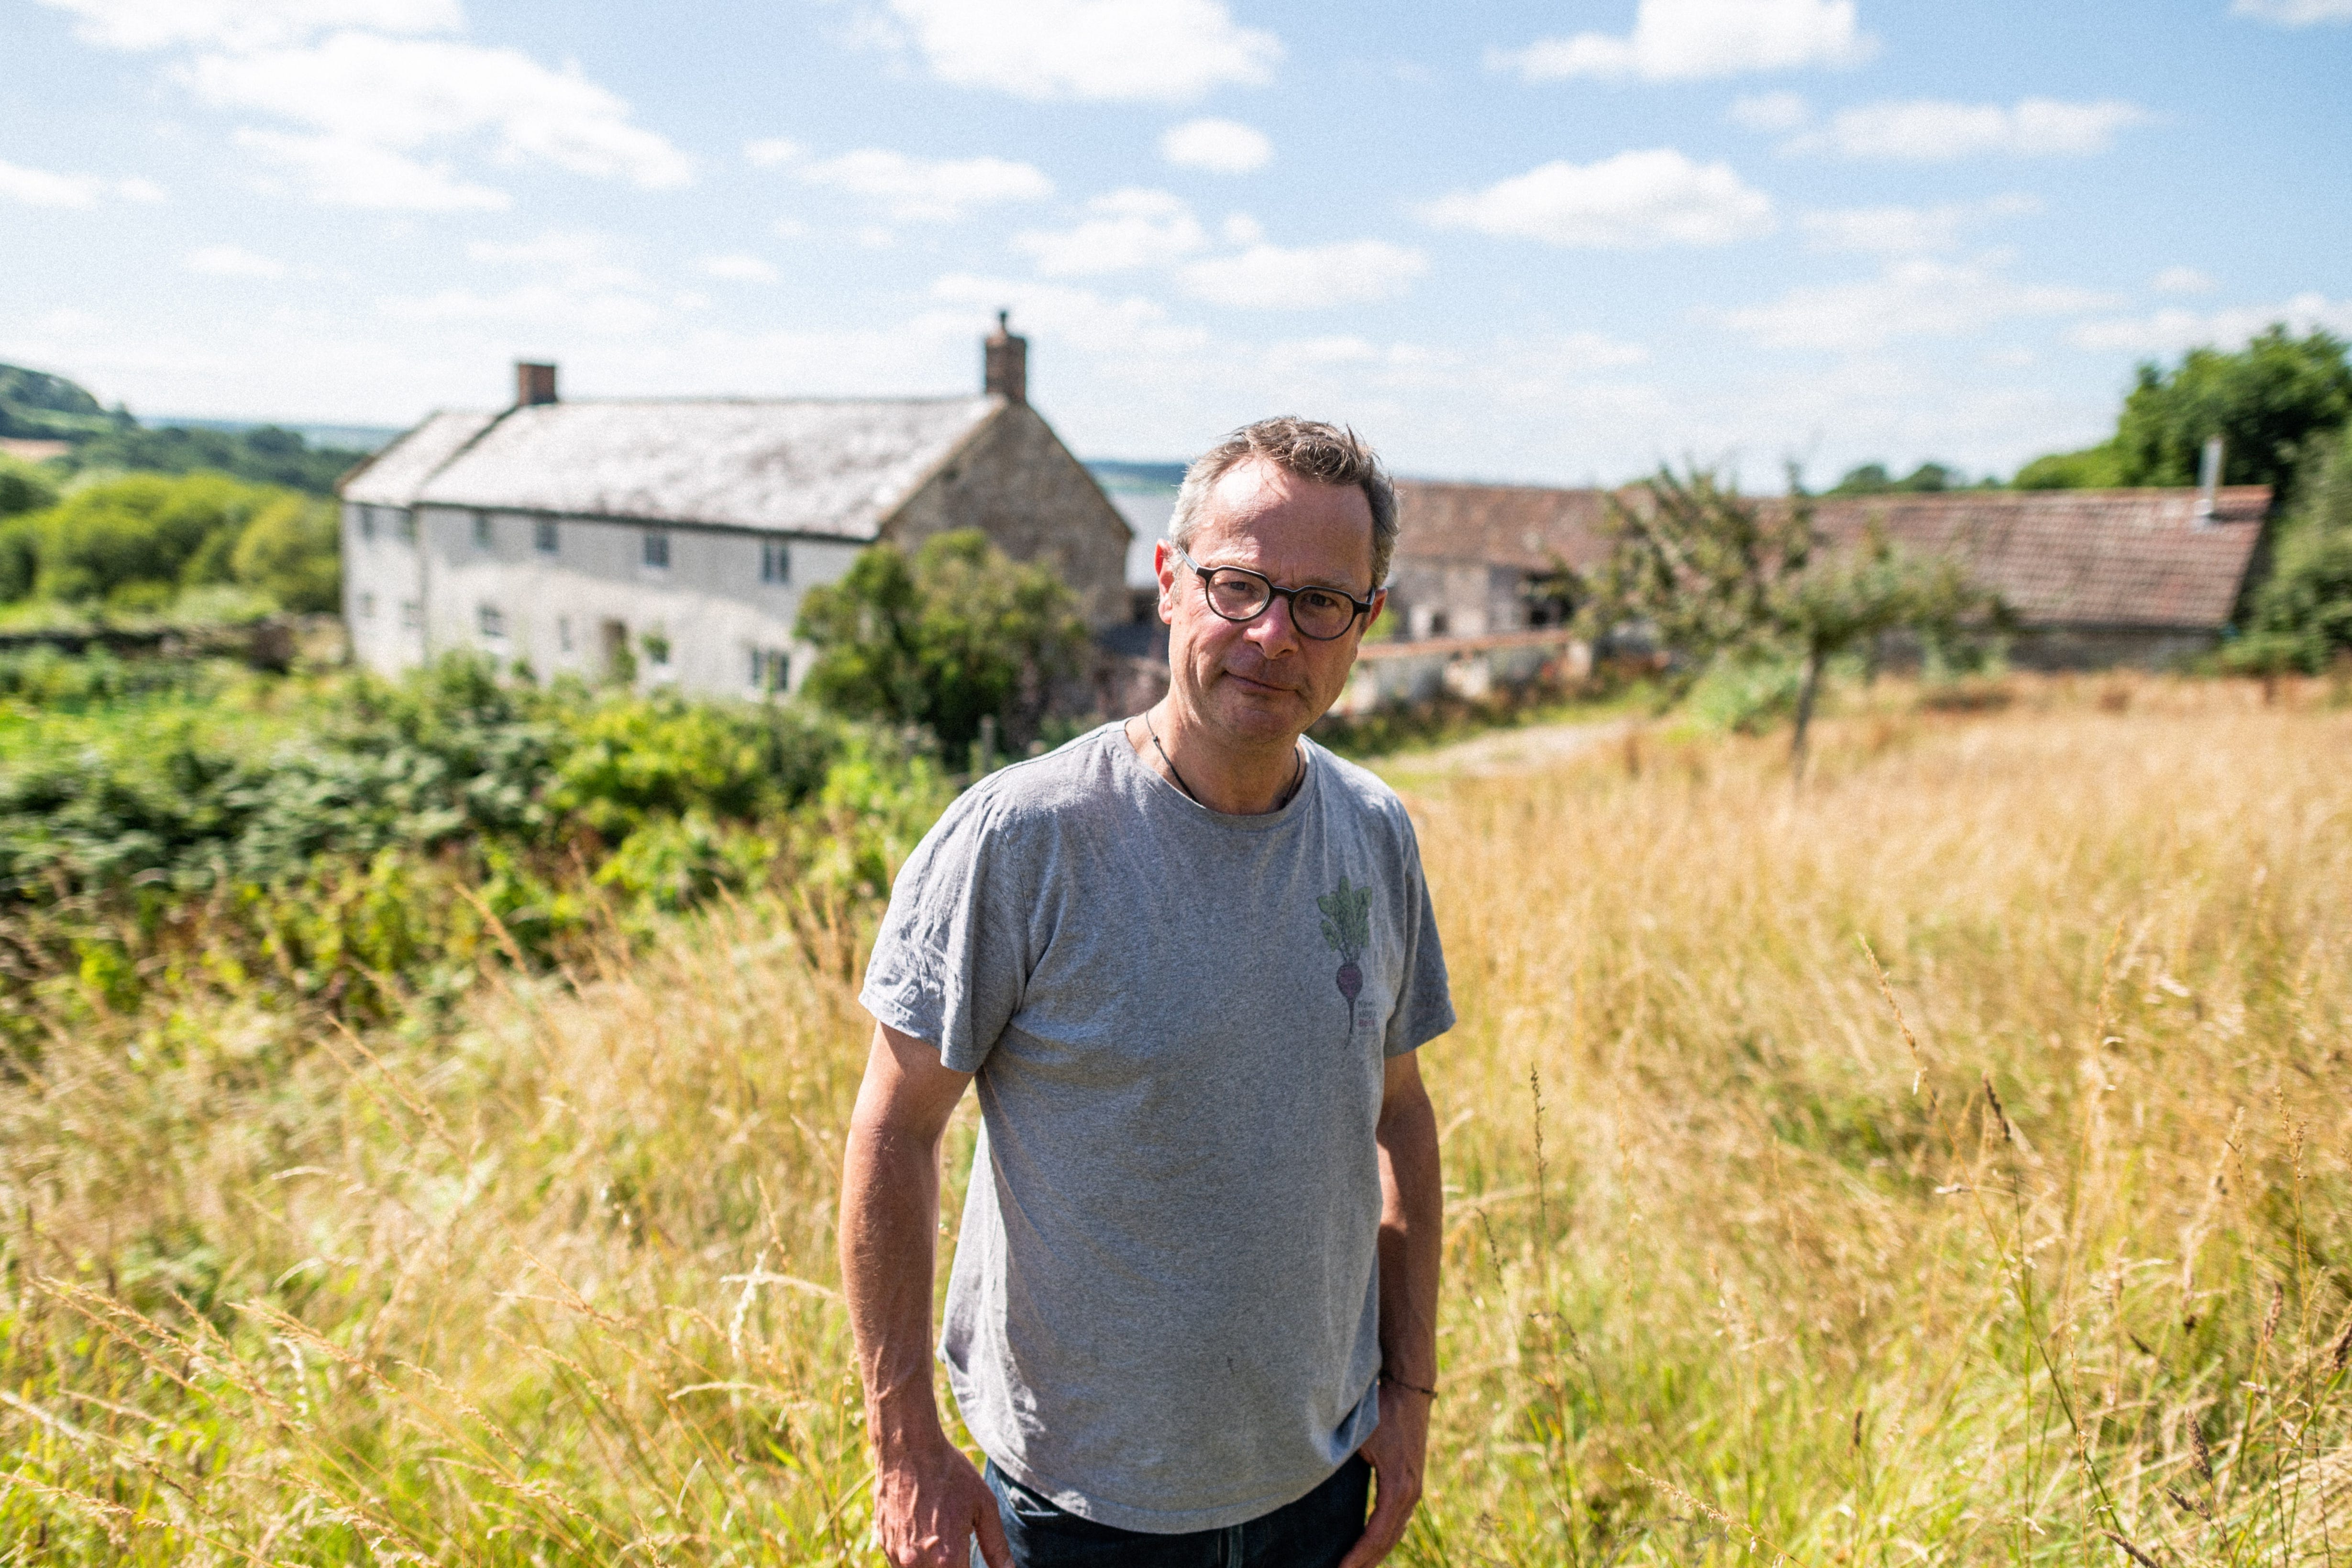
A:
[2079,558]
[1527,526]
[2119,558]
[394,476]
[835,467]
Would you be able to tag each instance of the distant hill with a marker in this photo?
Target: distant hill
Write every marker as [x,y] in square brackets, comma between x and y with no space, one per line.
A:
[38,405]
[35,405]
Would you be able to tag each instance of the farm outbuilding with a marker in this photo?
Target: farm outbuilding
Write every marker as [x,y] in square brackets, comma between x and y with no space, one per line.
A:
[672,539]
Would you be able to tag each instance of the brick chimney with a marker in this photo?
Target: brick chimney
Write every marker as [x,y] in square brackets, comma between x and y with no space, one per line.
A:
[534,383]
[1004,361]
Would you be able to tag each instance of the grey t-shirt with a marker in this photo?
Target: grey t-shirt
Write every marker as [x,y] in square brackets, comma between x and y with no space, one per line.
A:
[1164,1310]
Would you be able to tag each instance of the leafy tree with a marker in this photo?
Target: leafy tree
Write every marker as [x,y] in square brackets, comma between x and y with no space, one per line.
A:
[267,456]
[23,488]
[2302,616]
[291,553]
[957,634]
[2265,401]
[1718,578]
[1873,479]
[134,542]
[2099,468]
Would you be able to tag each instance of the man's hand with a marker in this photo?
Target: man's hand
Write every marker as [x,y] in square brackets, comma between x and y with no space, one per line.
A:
[1395,1451]
[930,1507]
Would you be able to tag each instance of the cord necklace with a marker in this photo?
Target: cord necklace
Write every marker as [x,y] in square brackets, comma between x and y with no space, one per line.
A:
[1297,778]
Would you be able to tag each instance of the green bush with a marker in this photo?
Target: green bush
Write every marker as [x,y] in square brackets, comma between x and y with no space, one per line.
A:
[2092,468]
[23,488]
[132,544]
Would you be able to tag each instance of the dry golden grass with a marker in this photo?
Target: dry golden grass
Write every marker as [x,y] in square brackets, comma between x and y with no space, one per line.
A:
[1741,1263]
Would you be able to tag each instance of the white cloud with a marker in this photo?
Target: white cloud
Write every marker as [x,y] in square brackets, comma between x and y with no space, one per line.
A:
[40,188]
[737,267]
[402,94]
[1220,146]
[1927,130]
[247,23]
[2174,329]
[1913,298]
[1158,51]
[1082,319]
[2181,280]
[572,281]
[928,190]
[2295,13]
[1240,228]
[1122,231]
[1769,112]
[770,151]
[1273,278]
[1631,201]
[1900,231]
[344,173]
[1684,40]
[234,261]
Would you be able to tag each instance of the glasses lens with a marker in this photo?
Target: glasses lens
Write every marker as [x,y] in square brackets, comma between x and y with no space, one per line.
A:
[1321,615]
[1236,595]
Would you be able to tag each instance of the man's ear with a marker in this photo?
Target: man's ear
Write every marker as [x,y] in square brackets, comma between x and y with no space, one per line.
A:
[1380,603]
[1164,566]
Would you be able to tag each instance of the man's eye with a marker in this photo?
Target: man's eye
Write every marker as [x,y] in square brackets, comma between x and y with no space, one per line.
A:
[1316,599]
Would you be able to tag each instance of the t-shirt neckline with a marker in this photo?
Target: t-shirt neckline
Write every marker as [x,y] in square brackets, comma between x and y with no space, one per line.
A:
[1115,735]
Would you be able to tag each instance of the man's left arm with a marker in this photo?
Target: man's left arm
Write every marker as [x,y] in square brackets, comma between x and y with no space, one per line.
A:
[1413,1217]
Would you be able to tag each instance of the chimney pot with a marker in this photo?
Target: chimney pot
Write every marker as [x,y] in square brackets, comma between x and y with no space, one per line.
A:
[1004,361]
[2209,480]
[534,383]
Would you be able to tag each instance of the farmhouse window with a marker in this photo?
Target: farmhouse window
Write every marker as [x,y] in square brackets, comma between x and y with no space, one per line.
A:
[542,536]
[775,561]
[412,614]
[493,621]
[405,522]
[483,537]
[367,522]
[657,554]
[656,646]
[772,669]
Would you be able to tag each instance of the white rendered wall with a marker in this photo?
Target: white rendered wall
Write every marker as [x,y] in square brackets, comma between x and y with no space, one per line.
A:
[554,609]
[383,594]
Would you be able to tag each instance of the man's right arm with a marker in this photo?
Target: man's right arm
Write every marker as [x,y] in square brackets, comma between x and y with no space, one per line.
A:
[929,1500]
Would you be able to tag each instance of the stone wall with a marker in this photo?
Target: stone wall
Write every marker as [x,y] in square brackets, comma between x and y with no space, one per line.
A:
[1017,483]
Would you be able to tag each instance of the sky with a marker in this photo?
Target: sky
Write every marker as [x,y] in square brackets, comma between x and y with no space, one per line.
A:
[1554,243]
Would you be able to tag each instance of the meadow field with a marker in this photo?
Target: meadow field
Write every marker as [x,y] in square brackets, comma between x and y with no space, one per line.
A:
[1948,1161]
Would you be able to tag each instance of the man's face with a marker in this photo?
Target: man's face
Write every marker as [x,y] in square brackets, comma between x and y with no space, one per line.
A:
[1260,682]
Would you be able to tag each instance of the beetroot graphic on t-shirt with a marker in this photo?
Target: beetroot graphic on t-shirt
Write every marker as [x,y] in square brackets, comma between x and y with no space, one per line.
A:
[1348,931]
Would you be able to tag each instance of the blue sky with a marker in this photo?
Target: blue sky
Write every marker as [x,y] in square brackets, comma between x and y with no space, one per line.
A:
[1549,242]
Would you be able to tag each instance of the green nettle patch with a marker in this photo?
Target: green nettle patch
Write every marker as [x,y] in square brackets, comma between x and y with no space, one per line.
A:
[363,847]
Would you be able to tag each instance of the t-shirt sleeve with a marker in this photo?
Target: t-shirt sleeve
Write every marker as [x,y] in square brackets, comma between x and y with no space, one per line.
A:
[951,962]
[1426,1009]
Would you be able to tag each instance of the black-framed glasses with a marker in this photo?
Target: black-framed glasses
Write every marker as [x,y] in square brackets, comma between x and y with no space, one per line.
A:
[1238,593]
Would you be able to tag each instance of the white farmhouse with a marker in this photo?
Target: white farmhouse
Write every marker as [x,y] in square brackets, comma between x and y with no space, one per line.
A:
[674,537]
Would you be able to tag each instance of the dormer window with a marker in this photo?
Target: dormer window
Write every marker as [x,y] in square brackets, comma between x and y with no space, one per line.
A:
[775,561]
[656,549]
[483,535]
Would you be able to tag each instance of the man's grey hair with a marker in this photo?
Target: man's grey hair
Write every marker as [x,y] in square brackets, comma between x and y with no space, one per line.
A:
[1306,449]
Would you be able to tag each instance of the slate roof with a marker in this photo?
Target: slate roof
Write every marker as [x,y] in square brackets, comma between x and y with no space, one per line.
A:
[830,467]
[394,476]
[2123,558]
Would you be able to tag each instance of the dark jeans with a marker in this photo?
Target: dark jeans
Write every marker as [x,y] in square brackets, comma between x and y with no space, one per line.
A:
[1312,1533]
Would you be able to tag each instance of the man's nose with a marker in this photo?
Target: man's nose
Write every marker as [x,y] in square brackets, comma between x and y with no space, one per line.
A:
[1272,630]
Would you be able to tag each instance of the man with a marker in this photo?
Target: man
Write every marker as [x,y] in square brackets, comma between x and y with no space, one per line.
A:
[1188,960]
